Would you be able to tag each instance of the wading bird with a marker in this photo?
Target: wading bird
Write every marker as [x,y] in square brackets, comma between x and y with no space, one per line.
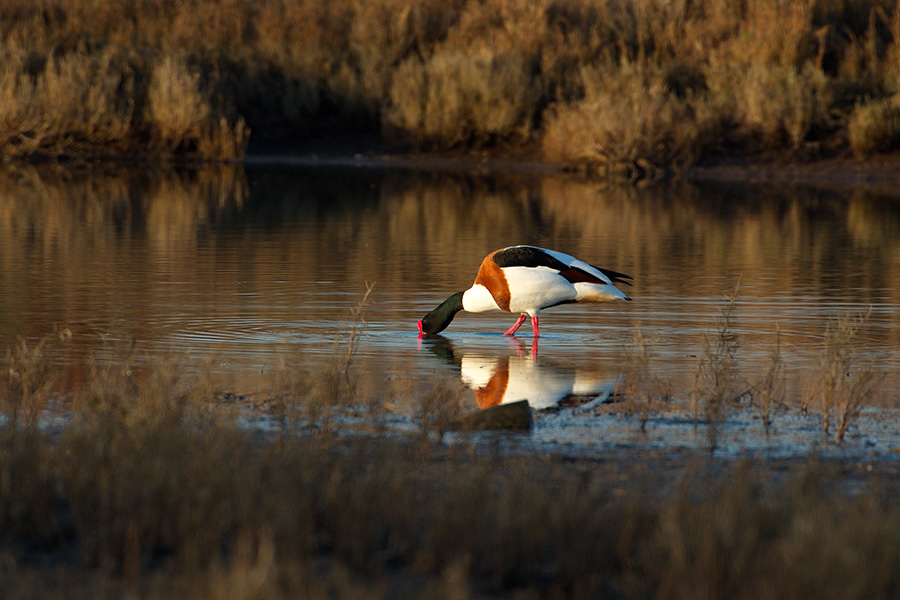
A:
[526,280]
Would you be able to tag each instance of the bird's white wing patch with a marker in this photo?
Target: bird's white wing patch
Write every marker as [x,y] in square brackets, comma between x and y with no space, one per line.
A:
[574,263]
[533,288]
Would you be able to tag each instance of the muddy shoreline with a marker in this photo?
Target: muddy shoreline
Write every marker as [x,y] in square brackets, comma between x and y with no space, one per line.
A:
[838,171]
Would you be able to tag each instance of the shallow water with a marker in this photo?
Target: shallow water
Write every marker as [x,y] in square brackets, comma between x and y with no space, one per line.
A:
[252,265]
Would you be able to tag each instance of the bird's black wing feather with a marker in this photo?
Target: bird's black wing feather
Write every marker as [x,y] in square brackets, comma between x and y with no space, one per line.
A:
[615,276]
[530,256]
[527,256]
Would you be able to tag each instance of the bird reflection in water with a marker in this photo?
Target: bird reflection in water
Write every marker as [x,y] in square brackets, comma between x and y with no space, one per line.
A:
[501,377]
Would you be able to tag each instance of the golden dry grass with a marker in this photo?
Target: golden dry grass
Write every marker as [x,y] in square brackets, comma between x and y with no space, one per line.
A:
[874,127]
[608,83]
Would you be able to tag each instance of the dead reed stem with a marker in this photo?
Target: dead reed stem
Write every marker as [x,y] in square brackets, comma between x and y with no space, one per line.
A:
[768,393]
[717,379]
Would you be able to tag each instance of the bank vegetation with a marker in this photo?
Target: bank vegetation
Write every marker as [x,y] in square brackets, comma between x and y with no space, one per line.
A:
[600,84]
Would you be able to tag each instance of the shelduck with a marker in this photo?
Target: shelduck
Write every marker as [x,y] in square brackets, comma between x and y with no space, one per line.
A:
[526,280]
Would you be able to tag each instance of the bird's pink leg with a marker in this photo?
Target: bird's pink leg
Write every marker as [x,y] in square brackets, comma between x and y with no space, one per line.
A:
[534,326]
[516,325]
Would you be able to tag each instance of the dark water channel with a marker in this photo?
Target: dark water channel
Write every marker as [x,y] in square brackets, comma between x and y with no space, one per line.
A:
[239,267]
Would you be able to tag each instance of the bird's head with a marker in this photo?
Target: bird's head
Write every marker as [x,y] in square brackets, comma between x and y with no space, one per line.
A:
[437,320]
[429,325]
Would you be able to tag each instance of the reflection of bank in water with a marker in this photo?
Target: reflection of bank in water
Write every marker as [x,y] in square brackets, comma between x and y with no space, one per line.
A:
[502,377]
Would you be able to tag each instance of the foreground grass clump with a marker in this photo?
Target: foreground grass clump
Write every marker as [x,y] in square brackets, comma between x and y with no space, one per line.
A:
[153,486]
[620,86]
[844,384]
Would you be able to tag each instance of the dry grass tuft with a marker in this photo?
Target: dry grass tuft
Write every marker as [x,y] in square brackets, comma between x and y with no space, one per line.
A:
[434,405]
[875,127]
[630,118]
[27,381]
[462,96]
[768,393]
[337,385]
[776,106]
[717,380]
[644,391]
[842,387]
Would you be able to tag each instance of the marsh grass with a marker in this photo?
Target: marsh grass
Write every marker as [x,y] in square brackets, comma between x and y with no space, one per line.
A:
[644,390]
[219,513]
[769,392]
[300,396]
[436,409]
[717,380]
[433,404]
[150,488]
[292,384]
[28,379]
[638,86]
[842,387]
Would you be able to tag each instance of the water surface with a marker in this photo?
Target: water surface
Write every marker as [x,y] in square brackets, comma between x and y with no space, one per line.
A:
[244,266]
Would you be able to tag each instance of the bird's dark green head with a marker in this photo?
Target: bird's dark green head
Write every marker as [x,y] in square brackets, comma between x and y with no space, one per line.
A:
[437,320]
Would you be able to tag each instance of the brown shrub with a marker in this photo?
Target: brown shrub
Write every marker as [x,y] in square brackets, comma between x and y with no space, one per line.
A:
[874,127]
[73,103]
[462,96]
[772,33]
[775,106]
[177,110]
[775,73]
[628,116]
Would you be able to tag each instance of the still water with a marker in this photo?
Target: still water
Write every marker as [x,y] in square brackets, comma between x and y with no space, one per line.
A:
[239,267]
